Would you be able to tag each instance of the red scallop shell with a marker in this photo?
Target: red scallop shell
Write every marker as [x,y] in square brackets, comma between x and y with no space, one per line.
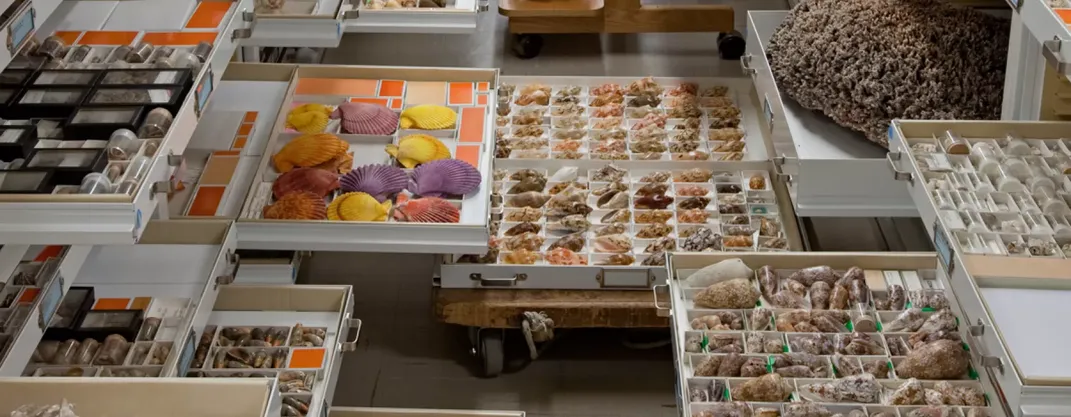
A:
[426,210]
[301,205]
[313,180]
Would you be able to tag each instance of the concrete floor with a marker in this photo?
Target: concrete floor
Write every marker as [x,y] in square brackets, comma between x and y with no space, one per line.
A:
[405,358]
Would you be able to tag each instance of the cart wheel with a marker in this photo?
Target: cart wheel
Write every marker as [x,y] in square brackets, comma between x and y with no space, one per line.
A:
[731,45]
[491,352]
[526,46]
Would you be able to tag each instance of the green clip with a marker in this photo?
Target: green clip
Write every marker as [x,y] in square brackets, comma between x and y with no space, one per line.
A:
[704,344]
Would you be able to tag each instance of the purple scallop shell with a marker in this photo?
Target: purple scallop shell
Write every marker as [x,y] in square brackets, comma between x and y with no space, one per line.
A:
[444,177]
[380,181]
[366,118]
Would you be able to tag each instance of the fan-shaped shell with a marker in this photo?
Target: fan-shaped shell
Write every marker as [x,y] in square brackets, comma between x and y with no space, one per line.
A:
[417,149]
[379,181]
[444,177]
[309,151]
[340,164]
[426,210]
[358,207]
[316,181]
[428,117]
[366,118]
[308,118]
[297,206]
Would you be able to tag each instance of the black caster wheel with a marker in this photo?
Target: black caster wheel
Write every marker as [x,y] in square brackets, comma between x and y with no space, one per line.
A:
[526,46]
[491,352]
[731,45]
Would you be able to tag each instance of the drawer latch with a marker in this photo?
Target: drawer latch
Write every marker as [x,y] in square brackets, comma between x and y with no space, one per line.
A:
[661,310]
[894,158]
[355,331]
[497,282]
[745,65]
[977,349]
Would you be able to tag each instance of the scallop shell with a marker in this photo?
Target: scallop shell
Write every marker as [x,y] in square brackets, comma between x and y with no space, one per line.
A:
[297,206]
[358,206]
[428,117]
[426,210]
[315,181]
[308,118]
[366,119]
[444,177]
[309,151]
[379,181]
[340,164]
[417,149]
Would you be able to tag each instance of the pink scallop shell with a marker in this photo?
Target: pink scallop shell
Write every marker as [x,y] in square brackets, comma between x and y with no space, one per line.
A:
[444,177]
[366,119]
[426,210]
[380,181]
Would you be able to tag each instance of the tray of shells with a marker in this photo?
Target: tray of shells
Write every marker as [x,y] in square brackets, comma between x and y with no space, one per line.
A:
[621,217]
[1001,196]
[649,119]
[789,340]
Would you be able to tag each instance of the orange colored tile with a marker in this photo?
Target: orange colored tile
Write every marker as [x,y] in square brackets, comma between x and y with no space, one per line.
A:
[391,88]
[239,142]
[245,129]
[68,36]
[208,15]
[425,92]
[380,101]
[250,117]
[307,358]
[460,94]
[481,99]
[472,119]
[1065,15]
[48,252]
[179,38]
[104,37]
[395,104]
[28,295]
[483,87]
[219,170]
[141,303]
[227,153]
[111,304]
[470,154]
[206,201]
[336,86]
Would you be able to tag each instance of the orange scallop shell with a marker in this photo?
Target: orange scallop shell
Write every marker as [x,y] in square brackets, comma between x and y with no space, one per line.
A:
[297,206]
[309,151]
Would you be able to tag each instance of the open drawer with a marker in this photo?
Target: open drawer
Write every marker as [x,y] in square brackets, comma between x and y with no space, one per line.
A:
[416,412]
[129,396]
[292,334]
[299,23]
[465,92]
[158,283]
[811,347]
[116,212]
[764,220]
[385,16]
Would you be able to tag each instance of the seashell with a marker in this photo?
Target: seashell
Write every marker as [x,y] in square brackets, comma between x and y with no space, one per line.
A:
[573,223]
[366,118]
[417,149]
[526,173]
[617,243]
[565,256]
[610,229]
[654,202]
[533,199]
[662,244]
[379,181]
[616,200]
[444,177]
[308,118]
[617,216]
[571,208]
[308,151]
[609,173]
[693,203]
[521,257]
[526,227]
[559,187]
[428,117]
[340,164]
[657,176]
[297,206]
[525,214]
[656,259]
[620,259]
[572,241]
[316,181]
[525,241]
[425,210]
[565,174]
[358,207]
[611,187]
[654,188]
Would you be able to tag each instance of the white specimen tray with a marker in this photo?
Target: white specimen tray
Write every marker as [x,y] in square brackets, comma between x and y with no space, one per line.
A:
[835,172]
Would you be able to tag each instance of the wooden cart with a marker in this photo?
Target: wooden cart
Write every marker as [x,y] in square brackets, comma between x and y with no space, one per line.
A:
[488,313]
[529,18]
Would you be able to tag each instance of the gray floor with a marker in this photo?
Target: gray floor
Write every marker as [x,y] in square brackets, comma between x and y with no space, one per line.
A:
[405,358]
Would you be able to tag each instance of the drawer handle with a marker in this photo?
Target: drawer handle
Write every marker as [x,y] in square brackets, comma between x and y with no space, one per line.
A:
[978,349]
[498,282]
[898,175]
[355,331]
[745,65]
[654,289]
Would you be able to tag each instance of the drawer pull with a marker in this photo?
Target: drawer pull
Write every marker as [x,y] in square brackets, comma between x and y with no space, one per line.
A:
[660,308]
[355,331]
[978,350]
[498,282]
[898,175]
[745,65]
[625,279]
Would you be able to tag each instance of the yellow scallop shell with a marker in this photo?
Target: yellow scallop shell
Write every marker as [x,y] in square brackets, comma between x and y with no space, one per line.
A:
[358,206]
[413,150]
[308,118]
[309,151]
[428,117]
